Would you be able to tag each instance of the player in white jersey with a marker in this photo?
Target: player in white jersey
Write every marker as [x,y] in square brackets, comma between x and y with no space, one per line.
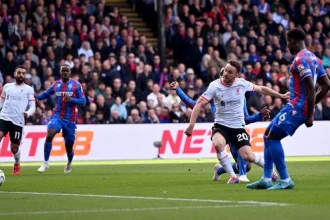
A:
[15,98]
[228,94]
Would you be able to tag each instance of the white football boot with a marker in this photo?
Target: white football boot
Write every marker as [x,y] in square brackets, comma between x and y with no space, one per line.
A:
[216,176]
[43,167]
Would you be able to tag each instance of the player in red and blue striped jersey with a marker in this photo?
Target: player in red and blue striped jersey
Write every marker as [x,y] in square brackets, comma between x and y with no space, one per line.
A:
[305,71]
[69,94]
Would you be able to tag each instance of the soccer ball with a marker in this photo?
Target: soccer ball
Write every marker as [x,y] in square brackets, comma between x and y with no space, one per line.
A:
[2,177]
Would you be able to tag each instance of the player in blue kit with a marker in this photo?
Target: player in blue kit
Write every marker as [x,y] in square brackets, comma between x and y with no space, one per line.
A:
[69,94]
[240,166]
[305,71]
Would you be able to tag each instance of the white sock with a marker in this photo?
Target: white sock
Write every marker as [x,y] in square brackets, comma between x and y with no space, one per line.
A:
[17,157]
[224,159]
[46,163]
[267,179]
[286,180]
[259,161]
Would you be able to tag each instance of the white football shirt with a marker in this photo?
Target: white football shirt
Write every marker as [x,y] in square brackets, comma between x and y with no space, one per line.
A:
[229,101]
[16,99]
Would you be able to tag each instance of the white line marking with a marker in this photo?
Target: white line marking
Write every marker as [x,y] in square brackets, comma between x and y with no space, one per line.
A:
[126,210]
[151,198]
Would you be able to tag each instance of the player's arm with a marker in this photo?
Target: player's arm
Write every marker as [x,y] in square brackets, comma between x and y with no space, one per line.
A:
[2,97]
[306,76]
[80,100]
[264,113]
[268,91]
[186,100]
[196,110]
[46,94]
[310,93]
[323,82]
[32,104]
[250,119]
[202,101]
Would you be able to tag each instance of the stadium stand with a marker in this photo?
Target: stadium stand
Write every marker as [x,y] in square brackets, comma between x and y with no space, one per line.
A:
[112,50]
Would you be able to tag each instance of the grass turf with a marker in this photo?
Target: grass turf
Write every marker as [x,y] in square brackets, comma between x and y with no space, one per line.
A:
[309,199]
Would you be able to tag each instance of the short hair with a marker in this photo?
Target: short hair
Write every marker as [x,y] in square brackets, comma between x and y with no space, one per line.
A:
[20,67]
[236,64]
[221,71]
[66,65]
[296,34]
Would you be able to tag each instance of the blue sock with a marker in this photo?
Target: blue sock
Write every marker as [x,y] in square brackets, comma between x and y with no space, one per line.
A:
[221,171]
[69,149]
[70,156]
[47,150]
[235,168]
[242,165]
[277,153]
[268,168]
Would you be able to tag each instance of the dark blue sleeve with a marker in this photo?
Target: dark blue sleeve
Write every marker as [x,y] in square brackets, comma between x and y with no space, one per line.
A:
[253,118]
[213,108]
[250,119]
[80,100]
[45,95]
[186,100]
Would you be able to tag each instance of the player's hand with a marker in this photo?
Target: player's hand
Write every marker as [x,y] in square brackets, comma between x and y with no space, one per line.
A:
[67,98]
[174,85]
[189,130]
[286,96]
[265,112]
[25,115]
[309,121]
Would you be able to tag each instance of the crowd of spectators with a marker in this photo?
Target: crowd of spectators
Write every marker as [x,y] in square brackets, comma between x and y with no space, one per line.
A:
[120,71]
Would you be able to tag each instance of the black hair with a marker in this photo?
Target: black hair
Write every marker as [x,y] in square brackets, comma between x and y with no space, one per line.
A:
[20,67]
[296,34]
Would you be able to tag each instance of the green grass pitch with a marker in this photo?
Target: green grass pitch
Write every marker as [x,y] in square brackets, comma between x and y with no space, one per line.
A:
[162,189]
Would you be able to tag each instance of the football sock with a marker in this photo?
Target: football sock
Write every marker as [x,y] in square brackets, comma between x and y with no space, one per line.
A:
[268,168]
[47,150]
[224,159]
[221,170]
[259,161]
[17,157]
[69,150]
[242,165]
[234,165]
[277,153]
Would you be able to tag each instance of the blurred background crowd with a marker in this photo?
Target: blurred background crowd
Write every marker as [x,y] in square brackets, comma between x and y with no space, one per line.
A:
[120,71]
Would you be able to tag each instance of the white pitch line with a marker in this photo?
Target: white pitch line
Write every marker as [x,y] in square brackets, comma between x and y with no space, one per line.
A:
[126,210]
[151,198]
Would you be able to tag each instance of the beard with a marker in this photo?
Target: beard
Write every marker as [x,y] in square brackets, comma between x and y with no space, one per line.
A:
[19,81]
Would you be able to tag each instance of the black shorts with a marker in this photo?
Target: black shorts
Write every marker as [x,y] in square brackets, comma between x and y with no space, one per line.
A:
[236,136]
[15,131]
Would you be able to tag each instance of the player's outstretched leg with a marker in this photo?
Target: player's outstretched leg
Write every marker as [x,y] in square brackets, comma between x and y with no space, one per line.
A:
[17,154]
[47,149]
[219,143]
[70,153]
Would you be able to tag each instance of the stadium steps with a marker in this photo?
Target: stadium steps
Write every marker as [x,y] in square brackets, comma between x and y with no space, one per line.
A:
[126,9]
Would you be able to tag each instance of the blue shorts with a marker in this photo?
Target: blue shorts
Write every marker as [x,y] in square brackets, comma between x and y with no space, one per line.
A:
[288,120]
[68,128]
